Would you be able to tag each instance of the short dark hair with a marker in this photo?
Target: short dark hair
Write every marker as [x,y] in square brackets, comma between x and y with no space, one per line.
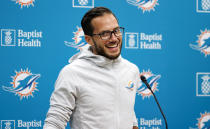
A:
[91,14]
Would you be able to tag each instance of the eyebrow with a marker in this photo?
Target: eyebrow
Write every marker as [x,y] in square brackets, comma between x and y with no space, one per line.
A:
[109,30]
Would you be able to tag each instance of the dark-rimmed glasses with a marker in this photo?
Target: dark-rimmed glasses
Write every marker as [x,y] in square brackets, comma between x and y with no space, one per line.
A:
[105,35]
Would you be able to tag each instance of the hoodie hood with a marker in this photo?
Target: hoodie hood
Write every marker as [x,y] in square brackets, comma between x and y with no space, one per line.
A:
[86,54]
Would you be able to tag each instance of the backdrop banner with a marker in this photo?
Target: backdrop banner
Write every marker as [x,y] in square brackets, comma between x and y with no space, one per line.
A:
[167,40]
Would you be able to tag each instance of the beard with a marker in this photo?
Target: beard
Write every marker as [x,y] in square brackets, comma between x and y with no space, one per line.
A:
[100,51]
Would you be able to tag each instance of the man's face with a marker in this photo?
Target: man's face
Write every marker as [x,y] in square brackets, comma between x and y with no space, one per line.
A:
[110,48]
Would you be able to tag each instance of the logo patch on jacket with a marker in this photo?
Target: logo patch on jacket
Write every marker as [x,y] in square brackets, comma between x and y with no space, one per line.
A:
[130,85]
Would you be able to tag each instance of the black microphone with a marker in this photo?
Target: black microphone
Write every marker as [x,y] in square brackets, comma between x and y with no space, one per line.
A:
[144,80]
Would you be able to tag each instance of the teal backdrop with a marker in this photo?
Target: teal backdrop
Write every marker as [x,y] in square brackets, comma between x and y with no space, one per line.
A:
[167,40]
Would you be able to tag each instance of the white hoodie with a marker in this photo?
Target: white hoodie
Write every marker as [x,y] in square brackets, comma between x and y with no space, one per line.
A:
[93,92]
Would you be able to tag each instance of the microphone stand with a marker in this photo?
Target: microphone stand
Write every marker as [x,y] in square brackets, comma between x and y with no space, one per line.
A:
[144,80]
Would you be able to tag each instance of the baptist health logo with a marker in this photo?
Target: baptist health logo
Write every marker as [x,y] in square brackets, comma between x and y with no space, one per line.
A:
[203,43]
[7,124]
[9,37]
[154,123]
[152,80]
[145,5]
[83,3]
[78,39]
[23,84]
[10,124]
[202,84]
[143,41]
[203,6]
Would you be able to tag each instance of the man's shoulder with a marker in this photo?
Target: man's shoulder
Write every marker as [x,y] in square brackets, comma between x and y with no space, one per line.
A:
[71,67]
[130,64]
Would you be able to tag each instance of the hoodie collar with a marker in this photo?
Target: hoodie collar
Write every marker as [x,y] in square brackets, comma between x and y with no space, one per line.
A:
[87,54]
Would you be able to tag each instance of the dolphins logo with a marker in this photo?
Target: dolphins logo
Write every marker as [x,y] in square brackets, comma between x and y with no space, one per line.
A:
[138,2]
[25,2]
[152,81]
[130,85]
[207,125]
[204,121]
[203,43]
[24,83]
[77,43]
[145,5]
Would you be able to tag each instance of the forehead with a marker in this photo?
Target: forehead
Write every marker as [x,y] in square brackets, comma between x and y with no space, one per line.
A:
[103,23]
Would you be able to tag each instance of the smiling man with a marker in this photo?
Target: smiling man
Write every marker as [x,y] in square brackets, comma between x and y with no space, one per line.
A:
[106,38]
[97,89]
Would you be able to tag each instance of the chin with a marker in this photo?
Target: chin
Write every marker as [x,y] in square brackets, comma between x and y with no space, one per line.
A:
[112,57]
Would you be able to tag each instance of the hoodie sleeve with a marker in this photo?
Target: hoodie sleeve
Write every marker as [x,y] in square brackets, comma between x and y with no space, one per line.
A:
[135,121]
[62,101]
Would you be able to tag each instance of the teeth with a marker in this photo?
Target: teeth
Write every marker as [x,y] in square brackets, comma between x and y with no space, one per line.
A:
[112,45]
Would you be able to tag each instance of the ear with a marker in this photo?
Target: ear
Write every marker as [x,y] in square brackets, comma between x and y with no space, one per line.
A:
[89,40]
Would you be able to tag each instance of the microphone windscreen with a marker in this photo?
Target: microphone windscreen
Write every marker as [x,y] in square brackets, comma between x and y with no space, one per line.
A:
[143,78]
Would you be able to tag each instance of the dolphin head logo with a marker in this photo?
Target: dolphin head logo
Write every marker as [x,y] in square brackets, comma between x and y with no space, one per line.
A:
[24,83]
[206,125]
[204,121]
[27,82]
[203,43]
[77,39]
[130,85]
[145,5]
[152,81]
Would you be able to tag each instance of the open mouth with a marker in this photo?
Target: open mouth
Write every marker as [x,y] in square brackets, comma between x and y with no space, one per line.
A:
[111,45]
